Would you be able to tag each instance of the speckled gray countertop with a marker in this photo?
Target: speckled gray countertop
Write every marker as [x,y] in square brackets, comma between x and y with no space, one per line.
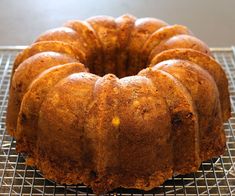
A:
[211,20]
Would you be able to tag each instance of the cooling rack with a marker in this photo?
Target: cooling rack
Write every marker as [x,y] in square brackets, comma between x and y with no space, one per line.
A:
[215,177]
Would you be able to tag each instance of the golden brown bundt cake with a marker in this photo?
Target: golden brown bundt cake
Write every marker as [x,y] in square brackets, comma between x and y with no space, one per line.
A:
[119,102]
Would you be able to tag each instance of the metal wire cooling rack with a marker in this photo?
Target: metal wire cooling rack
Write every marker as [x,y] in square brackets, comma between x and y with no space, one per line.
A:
[215,177]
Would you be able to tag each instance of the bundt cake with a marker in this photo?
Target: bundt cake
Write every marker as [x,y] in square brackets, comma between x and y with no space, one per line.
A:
[119,102]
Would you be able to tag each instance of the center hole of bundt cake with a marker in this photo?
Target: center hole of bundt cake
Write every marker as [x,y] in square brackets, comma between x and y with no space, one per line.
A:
[118,65]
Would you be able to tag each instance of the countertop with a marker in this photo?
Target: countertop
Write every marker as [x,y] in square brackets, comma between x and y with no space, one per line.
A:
[22,21]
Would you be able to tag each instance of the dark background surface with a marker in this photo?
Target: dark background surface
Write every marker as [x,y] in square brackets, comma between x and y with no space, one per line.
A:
[22,21]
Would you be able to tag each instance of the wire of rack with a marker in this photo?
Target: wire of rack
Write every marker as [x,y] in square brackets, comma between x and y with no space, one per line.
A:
[214,177]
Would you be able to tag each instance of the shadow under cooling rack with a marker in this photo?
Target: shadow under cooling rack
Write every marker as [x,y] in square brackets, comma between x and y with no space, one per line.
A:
[215,177]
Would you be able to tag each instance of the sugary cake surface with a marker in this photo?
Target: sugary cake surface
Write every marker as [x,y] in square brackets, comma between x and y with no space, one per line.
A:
[122,102]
